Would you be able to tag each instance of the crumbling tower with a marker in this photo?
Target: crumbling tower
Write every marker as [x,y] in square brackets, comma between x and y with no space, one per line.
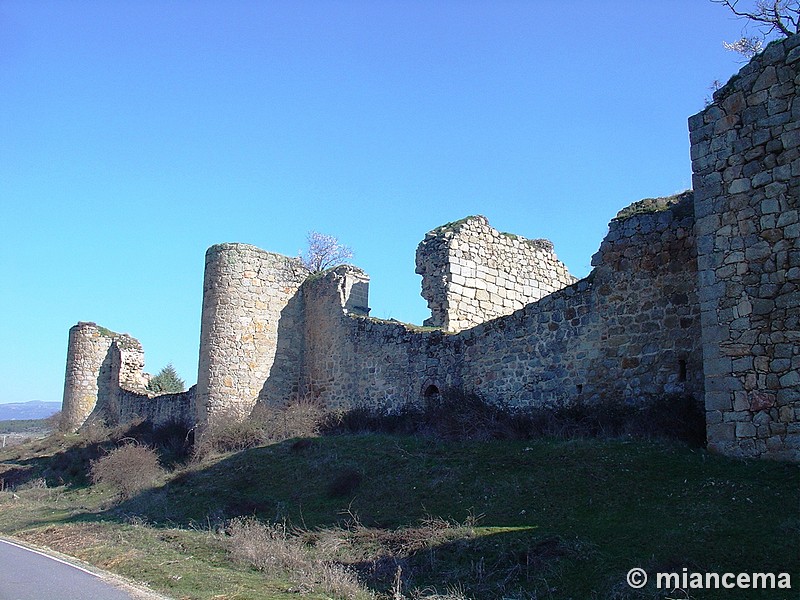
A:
[99,361]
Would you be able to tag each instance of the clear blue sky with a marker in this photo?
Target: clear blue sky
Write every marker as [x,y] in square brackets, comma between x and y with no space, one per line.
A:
[133,135]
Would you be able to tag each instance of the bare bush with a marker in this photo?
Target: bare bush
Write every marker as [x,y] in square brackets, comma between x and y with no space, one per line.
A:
[129,469]
[94,431]
[54,423]
[35,489]
[456,414]
[771,18]
[275,551]
[266,425]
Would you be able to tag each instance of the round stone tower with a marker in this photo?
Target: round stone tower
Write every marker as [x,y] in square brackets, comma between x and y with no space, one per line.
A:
[87,352]
[248,332]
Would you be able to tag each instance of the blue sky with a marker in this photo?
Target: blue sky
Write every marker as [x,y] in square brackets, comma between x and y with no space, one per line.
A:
[133,135]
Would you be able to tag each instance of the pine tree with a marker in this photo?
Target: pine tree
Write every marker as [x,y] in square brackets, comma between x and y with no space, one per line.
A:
[166,382]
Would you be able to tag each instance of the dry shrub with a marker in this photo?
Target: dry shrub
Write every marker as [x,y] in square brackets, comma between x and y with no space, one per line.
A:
[94,431]
[53,423]
[275,551]
[456,414]
[129,469]
[35,486]
[302,418]
[265,425]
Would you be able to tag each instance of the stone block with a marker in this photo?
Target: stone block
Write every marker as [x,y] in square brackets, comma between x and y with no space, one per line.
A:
[718,401]
[721,432]
[739,186]
[745,430]
[791,139]
[791,379]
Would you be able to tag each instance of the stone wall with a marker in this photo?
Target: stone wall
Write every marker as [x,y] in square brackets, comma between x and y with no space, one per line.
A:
[472,273]
[746,162]
[352,360]
[159,409]
[630,332]
[251,340]
[101,366]
[272,333]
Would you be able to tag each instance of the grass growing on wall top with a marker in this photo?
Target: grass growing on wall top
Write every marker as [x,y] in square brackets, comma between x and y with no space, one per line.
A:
[452,225]
[408,326]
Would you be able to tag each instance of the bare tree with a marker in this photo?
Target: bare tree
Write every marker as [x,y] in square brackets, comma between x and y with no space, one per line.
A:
[324,252]
[771,18]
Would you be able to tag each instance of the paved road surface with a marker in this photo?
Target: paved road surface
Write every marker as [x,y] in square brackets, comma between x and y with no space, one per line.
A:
[30,575]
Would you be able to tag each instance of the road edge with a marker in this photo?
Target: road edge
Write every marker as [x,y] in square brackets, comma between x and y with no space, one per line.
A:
[137,590]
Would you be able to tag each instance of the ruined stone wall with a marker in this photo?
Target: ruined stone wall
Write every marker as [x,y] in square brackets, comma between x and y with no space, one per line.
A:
[694,294]
[746,162]
[251,336]
[472,273]
[630,332]
[100,365]
[159,409]
[352,360]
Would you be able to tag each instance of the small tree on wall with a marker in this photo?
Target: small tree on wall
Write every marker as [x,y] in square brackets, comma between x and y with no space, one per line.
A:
[323,252]
[771,18]
[166,381]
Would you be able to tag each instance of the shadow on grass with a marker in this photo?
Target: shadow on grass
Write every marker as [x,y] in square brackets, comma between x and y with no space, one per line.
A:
[548,518]
[66,460]
[586,510]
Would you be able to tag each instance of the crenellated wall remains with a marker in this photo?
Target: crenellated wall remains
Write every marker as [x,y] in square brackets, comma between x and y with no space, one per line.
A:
[630,331]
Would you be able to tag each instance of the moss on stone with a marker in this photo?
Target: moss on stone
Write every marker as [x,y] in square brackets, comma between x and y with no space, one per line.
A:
[406,326]
[105,332]
[652,205]
[452,225]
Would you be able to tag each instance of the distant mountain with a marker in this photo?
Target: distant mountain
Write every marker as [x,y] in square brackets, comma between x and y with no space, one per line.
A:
[28,410]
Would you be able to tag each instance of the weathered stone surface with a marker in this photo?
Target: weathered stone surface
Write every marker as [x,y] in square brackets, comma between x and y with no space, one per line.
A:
[747,311]
[105,380]
[503,272]
[251,308]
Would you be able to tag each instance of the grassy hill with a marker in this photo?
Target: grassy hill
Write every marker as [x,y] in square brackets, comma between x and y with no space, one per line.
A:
[416,517]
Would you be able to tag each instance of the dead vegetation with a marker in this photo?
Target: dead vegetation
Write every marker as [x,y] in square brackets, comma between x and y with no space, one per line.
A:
[128,469]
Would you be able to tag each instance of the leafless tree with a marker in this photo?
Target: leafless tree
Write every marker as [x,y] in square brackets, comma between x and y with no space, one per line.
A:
[771,18]
[324,252]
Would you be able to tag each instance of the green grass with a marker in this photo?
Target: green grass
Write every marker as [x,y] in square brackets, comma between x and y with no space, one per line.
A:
[539,519]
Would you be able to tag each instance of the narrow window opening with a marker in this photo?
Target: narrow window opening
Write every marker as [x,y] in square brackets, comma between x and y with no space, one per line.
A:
[579,388]
[682,370]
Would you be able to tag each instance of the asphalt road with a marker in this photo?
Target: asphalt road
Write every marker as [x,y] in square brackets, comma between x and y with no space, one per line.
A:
[30,575]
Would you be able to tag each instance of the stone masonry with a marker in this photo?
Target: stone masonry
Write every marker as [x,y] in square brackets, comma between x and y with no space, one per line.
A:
[472,273]
[628,333]
[251,342]
[746,163]
[104,379]
[696,294]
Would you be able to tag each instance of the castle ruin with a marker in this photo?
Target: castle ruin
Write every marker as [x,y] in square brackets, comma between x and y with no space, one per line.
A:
[694,294]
